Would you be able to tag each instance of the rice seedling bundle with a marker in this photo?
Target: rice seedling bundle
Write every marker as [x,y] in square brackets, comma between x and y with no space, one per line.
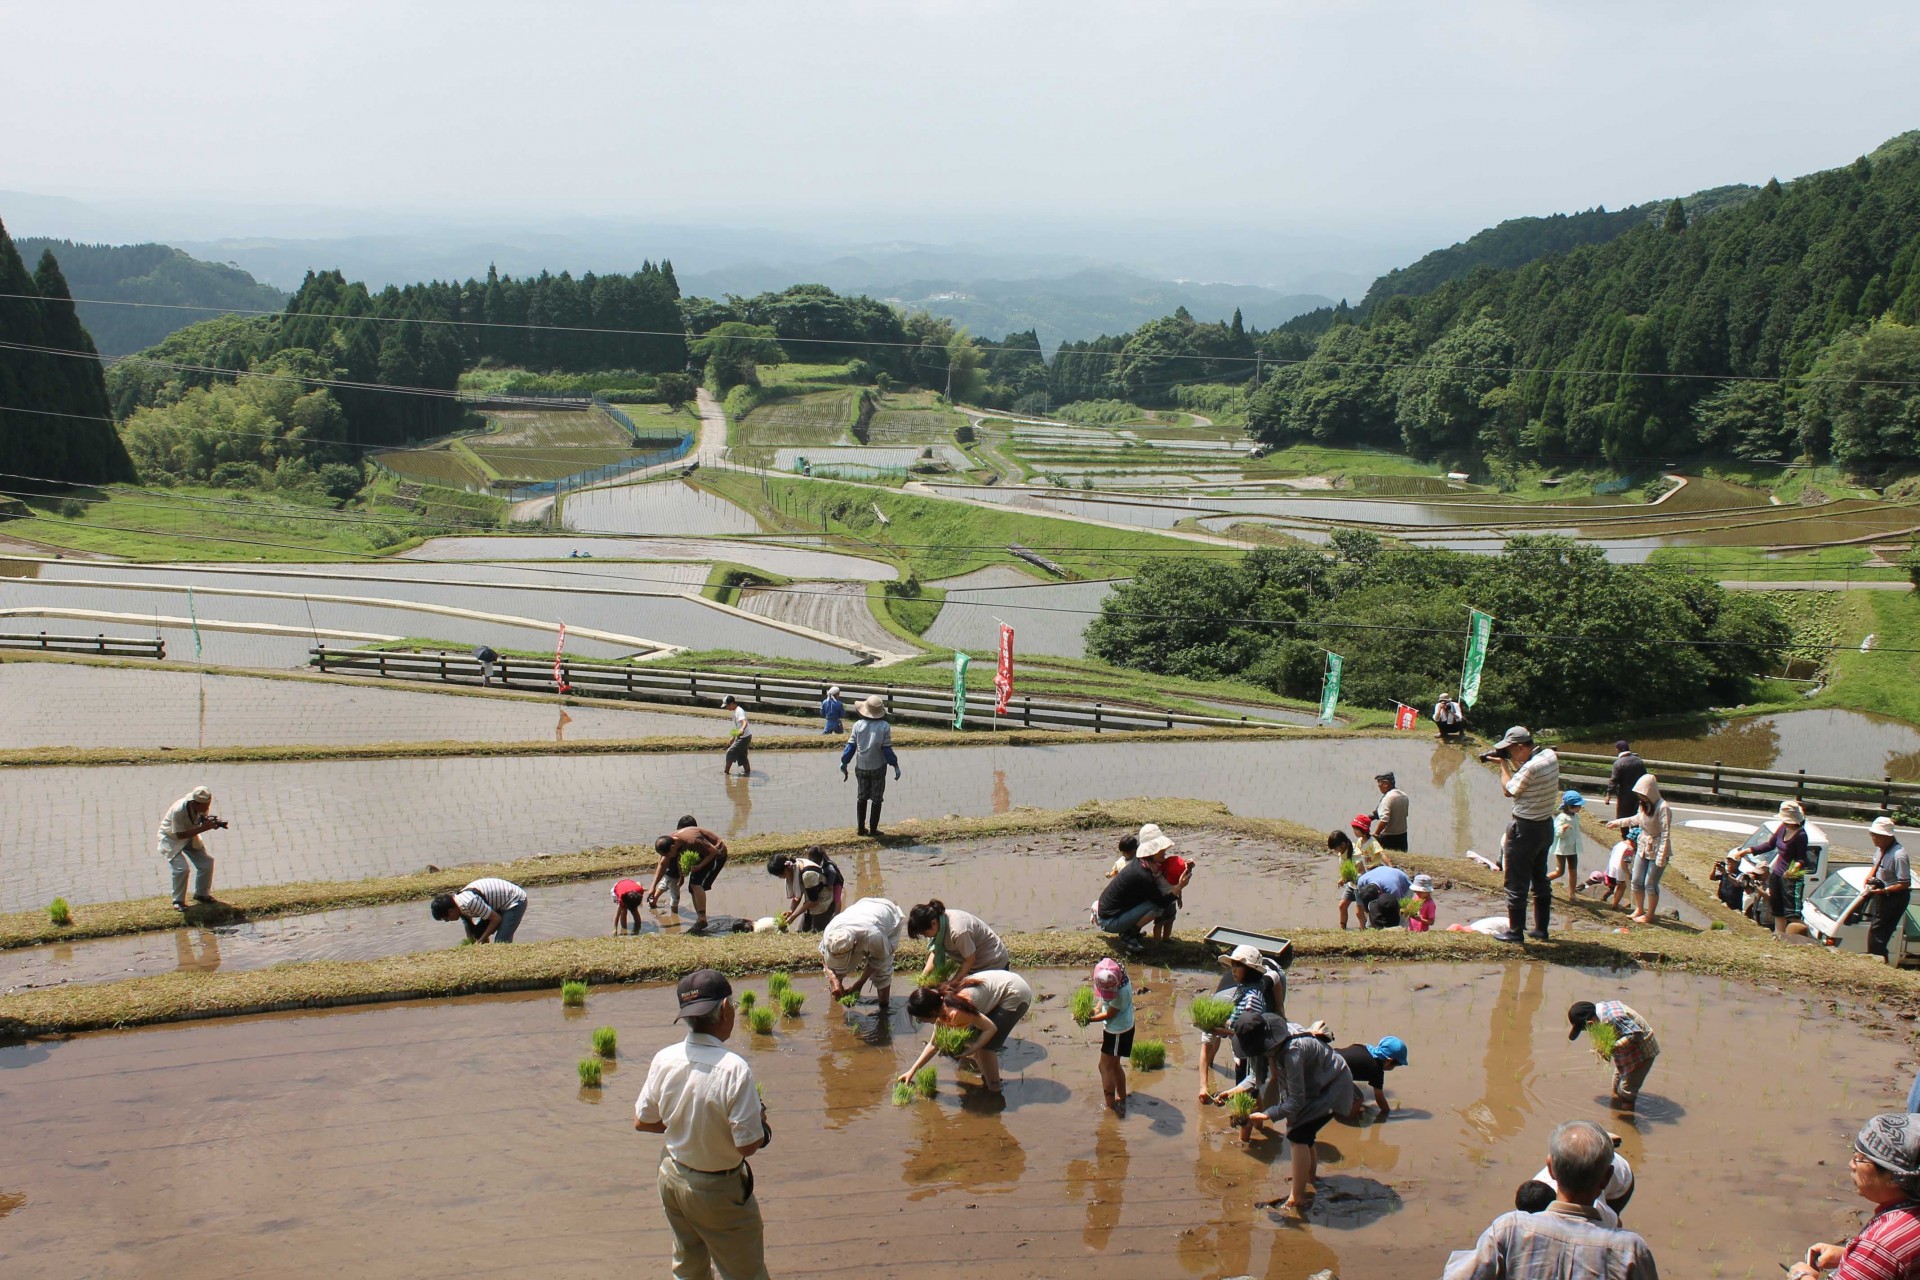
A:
[778,982]
[747,999]
[849,1000]
[1210,1013]
[689,860]
[1408,906]
[1240,1105]
[902,1093]
[790,1002]
[573,994]
[1149,1055]
[926,1082]
[590,1072]
[761,1020]
[953,1041]
[1082,1004]
[1349,871]
[1604,1036]
[59,912]
[605,1040]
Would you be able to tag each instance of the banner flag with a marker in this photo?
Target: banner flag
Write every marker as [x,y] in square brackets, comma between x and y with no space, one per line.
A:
[559,651]
[1479,631]
[1330,689]
[1003,675]
[1405,716]
[960,661]
[195,619]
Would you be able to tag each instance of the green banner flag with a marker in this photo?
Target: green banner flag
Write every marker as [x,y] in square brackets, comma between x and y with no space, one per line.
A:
[1330,690]
[960,661]
[194,617]
[1479,631]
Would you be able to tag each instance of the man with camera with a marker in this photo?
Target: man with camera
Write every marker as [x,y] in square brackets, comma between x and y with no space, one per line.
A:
[180,845]
[1531,775]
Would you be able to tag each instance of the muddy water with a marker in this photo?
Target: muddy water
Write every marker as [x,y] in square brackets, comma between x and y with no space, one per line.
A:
[1050,619]
[386,1142]
[1021,884]
[87,833]
[1850,744]
[46,704]
[665,506]
[794,561]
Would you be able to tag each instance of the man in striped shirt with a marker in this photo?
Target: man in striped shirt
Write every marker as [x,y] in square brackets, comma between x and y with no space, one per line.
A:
[490,908]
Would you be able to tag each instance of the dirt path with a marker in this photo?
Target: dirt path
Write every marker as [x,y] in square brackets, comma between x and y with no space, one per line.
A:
[836,608]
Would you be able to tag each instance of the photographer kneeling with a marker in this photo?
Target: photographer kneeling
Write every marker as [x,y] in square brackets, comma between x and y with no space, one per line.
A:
[1531,775]
[180,845]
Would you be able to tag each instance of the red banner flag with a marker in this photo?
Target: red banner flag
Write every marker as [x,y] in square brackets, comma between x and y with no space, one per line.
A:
[1003,675]
[559,651]
[1405,716]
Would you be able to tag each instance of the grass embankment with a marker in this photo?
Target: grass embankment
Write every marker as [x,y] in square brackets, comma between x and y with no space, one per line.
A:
[197,523]
[934,537]
[906,613]
[726,578]
[1752,564]
[1886,678]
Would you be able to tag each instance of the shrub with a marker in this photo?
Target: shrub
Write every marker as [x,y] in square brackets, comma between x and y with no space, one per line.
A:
[761,1020]
[790,1002]
[927,1082]
[778,983]
[573,994]
[605,1040]
[1604,1036]
[1082,1005]
[902,1093]
[1149,1055]
[590,1072]
[1240,1106]
[59,912]
[1210,1013]
[953,1041]
[71,508]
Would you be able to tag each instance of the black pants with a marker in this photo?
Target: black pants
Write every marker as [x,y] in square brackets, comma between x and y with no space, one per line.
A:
[1396,844]
[1528,840]
[1889,912]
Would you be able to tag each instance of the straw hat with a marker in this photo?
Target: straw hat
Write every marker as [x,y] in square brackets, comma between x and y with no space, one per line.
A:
[1153,841]
[873,707]
[1792,813]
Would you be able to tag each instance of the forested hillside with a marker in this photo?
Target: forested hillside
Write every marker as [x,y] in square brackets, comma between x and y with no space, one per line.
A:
[54,424]
[149,273]
[1634,350]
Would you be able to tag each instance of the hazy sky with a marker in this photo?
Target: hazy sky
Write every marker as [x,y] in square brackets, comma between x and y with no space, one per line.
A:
[929,113]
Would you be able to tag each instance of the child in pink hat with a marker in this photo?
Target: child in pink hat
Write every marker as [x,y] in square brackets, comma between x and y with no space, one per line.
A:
[1115,992]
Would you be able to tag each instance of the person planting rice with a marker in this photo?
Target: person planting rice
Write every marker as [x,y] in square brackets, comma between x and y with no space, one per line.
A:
[832,711]
[960,942]
[490,908]
[1633,1049]
[703,1098]
[1357,853]
[1421,918]
[989,1003]
[1378,894]
[698,872]
[1369,1064]
[628,898]
[869,750]
[180,830]
[1115,1013]
[812,885]
[740,741]
[1253,985]
[1314,1085]
[859,945]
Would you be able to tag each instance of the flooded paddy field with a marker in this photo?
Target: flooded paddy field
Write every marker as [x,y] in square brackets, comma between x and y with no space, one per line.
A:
[48,704]
[837,608]
[87,833]
[661,506]
[1018,884]
[373,1143]
[1048,618]
[796,561]
[1850,744]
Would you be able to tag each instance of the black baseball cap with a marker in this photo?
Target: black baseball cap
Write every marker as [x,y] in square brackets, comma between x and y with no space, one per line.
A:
[1580,1013]
[703,991]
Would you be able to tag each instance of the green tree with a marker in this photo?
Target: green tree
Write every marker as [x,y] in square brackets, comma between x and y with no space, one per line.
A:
[1863,395]
[733,352]
[1447,398]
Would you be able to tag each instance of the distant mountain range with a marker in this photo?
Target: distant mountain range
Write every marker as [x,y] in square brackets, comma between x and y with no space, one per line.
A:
[151,273]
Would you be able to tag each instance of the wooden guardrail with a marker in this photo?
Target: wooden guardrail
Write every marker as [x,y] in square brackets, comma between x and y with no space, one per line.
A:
[756,692]
[1817,793]
[110,646]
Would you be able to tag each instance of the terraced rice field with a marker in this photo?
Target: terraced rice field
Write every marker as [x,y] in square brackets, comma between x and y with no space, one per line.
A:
[815,418]
[545,444]
[436,466]
[913,417]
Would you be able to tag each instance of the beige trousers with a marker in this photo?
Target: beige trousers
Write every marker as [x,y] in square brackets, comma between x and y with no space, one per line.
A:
[715,1221]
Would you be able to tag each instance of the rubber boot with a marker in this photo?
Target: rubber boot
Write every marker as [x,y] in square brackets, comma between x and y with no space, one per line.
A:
[860,818]
[873,827]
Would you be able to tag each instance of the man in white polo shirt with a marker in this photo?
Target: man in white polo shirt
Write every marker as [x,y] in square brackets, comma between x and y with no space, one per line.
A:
[180,830]
[701,1095]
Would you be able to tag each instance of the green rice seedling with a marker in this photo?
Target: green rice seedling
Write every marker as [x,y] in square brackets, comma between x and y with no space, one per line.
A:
[1210,1013]
[1719,924]
[849,1000]
[1349,871]
[689,860]
[790,1002]
[902,1093]
[573,994]
[761,1020]
[953,1041]
[778,982]
[605,1040]
[747,999]
[60,913]
[938,974]
[926,1082]
[1409,905]
[1149,1055]
[1604,1036]
[1240,1105]
[1082,1004]
[590,1072]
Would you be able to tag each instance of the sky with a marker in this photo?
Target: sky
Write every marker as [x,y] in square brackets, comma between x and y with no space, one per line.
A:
[1015,121]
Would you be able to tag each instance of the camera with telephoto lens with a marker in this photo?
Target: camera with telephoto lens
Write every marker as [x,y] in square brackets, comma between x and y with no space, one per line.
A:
[220,824]
[1498,753]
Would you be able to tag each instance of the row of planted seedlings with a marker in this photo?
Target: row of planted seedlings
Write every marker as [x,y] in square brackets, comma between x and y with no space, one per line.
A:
[759,1018]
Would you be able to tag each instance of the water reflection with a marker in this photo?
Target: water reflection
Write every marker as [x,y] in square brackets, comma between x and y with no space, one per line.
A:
[963,1148]
[1848,743]
[1506,1100]
[740,796]
[196,950]
[1101,1182]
